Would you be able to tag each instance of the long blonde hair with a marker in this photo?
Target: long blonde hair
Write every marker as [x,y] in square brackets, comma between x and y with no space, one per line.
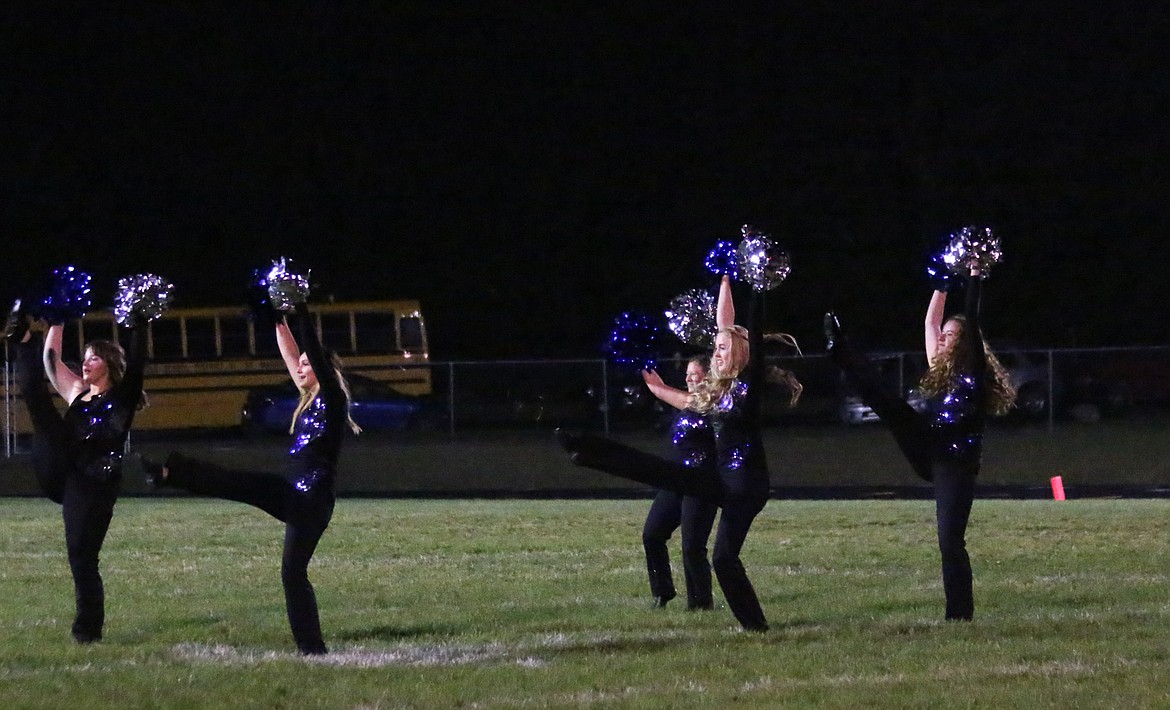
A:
[308,395]
[999,395]
[716,384]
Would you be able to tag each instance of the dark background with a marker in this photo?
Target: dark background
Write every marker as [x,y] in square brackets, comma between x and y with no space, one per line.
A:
[530,170]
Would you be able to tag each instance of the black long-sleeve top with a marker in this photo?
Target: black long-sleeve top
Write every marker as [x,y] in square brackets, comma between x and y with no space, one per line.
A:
[735,420]
[958,416]
[693,440]
[98,427]
[320,428]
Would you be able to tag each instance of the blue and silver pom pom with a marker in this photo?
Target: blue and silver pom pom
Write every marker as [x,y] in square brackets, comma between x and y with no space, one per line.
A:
[972,247]
[761,262]
[634,341]
[67,297]
[286,289]
[142,297]
[691,317]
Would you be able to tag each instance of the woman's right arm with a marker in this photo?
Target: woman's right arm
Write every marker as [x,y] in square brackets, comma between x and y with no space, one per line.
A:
[934,323]
[64,381]
[289,352]
[725,305]
[672,396]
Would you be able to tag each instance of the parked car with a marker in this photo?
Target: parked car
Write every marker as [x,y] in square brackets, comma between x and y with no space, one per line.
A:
[374,405]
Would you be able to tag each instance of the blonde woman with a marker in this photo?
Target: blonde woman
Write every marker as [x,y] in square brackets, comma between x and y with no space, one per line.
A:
[730,398]
[964,384]
[303,496]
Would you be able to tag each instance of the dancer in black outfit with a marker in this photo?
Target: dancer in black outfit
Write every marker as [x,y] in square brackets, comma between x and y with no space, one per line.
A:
[730,398]
[78,456]
[303,496]
[964,383]
[694,447]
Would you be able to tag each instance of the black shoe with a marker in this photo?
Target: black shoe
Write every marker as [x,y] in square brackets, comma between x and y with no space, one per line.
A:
[700,606]
[833,333]
[84,638]
[567,441]
[17,323]
[152,471]
[660,602]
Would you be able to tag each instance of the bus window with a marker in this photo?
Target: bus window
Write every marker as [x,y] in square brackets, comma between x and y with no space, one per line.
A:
[234,336]
[167,338]
[375,332]
[335,332]
[200,338]
[412,335]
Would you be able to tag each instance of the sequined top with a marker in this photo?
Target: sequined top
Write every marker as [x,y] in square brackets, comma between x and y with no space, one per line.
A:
[694,442]
[957,417]
[98,427]
[320,428]
[735,420]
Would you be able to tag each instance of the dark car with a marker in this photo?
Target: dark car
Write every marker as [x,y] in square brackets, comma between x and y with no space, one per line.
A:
[374,405]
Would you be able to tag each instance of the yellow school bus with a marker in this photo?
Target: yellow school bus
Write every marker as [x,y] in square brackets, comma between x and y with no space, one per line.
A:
[203,361]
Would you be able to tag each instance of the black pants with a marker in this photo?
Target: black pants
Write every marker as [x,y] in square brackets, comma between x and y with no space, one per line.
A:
[669,512]
[87,509]
[87,504]
[739,511]
[954,480]
[306,515]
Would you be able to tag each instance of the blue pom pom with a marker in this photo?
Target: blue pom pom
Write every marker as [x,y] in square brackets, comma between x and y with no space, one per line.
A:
[723,260]
[938,271]
[67,297]
[634,341]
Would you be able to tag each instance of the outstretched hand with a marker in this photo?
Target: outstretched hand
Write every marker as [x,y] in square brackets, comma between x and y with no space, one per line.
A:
[652,378]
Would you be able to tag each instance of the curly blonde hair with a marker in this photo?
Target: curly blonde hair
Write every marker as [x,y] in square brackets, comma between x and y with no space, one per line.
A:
[999,395]
[717,384]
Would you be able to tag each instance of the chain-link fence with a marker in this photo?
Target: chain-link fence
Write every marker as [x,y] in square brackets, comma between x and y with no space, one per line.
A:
[1082,385]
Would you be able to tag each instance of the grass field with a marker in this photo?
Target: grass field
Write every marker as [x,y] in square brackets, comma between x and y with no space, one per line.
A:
[501,604]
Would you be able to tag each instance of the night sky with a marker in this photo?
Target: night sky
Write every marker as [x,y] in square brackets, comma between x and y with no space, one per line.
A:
[530,170]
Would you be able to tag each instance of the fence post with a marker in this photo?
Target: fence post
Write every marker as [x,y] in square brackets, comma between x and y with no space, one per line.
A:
[1051,394]
[604,397]
[9,434]
[451,398]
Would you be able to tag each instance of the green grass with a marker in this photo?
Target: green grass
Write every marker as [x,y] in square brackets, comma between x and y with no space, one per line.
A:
[501,604]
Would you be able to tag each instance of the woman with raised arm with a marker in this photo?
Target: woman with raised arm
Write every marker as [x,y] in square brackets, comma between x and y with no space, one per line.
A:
[303,496]
[78,456]
[730,398]
[694,447]
[963,385]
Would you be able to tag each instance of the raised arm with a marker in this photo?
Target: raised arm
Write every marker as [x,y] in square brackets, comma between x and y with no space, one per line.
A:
[64,381]
[315,351]
[135,361]
[725,306]
[971,311]
[934,323]
[289,351]
[675,397]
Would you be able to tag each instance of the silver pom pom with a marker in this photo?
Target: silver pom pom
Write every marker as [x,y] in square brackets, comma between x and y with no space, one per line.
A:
[691,317]
[972,246]
[142,296]
[761,263]
[286,289]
